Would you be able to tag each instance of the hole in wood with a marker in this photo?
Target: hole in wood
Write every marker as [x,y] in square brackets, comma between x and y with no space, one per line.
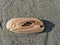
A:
[41,26]
[27,24]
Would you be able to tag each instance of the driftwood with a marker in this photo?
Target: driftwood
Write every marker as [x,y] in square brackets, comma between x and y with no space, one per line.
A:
[46,10]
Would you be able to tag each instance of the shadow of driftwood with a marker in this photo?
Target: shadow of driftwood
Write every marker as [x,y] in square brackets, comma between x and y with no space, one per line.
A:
[48,26]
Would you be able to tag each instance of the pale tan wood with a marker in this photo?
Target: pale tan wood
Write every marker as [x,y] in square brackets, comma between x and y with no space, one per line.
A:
[25,25]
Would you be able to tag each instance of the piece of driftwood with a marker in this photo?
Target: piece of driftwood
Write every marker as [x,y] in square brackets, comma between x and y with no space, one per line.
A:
[25,25]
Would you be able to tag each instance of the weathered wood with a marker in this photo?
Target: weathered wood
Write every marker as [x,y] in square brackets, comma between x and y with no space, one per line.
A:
[41,9]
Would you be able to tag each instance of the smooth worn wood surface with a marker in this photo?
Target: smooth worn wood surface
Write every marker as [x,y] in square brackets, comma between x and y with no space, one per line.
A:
[46,10]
